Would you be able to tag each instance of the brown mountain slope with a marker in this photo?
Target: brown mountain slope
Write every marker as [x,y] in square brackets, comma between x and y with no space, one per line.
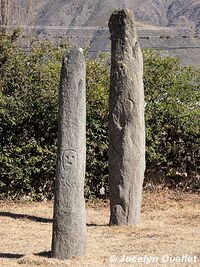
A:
[181,13]
[82,20]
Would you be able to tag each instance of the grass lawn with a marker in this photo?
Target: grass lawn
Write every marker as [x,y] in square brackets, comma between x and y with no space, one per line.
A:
[169,234]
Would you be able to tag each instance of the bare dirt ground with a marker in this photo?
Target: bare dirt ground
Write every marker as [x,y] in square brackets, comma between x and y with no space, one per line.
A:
[169,234]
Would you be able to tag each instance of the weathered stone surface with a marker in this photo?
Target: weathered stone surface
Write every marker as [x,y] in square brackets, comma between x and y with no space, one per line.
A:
[4,14]
[69,225]
[126,121]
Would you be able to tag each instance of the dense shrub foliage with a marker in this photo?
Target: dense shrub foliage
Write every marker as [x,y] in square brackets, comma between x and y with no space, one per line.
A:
[29,104]
[172,120]
[28,120]
[97,127]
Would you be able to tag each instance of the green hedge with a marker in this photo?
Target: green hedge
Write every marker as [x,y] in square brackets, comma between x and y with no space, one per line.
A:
[172,120]
[28,126]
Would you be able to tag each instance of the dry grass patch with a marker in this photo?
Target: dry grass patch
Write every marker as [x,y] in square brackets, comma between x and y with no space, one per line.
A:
[170,225]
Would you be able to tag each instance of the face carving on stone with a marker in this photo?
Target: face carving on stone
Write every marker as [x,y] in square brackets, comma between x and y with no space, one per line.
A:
[69,159]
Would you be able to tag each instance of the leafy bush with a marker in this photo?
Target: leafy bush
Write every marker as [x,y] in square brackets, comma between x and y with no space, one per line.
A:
[28,127]
[97,127]
[172,119]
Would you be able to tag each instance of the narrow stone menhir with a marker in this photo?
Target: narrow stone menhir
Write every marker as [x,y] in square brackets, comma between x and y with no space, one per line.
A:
[69,222]
[126,121]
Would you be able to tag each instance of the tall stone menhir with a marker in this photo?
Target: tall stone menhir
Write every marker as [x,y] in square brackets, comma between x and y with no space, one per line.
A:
[126,121]
[69,223]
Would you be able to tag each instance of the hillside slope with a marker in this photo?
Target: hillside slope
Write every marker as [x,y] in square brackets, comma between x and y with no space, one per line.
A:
[183,13]
[82,21]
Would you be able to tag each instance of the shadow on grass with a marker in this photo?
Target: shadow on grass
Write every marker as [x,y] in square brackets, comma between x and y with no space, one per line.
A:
[39,219]
[96,225]
[46,254]
[11,255]
[25,217]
